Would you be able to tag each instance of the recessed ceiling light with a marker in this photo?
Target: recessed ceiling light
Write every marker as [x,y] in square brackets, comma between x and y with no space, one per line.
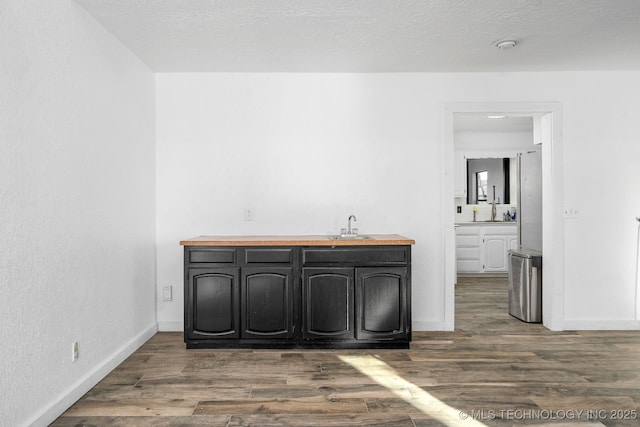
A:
[496,116]
[505,44]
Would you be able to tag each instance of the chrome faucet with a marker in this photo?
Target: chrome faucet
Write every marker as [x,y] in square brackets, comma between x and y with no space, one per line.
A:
[349,225]
[494,211]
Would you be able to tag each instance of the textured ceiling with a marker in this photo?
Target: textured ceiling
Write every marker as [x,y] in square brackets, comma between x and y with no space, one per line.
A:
[375,35]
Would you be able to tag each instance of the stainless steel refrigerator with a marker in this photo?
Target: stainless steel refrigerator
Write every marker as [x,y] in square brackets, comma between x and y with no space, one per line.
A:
[525,262]
[530,200]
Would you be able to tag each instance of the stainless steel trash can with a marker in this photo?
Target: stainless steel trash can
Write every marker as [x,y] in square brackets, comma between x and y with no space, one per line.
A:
[525,284]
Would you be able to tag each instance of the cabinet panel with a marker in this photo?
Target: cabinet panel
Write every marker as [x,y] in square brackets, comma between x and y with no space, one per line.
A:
[213,303]
[468,253]
[462,240]
[327,303]
[469,230]
[468,244]
[371,255]
[495,253]
[381,295]
[222,256]
[500,230]
[469,266]
[269,256]
[513,242]
[267,302]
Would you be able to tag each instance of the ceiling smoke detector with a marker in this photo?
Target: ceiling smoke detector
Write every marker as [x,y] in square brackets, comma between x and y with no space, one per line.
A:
[505,44]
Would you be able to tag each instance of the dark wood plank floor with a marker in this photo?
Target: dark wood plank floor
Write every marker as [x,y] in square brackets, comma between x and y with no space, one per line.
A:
[493,370]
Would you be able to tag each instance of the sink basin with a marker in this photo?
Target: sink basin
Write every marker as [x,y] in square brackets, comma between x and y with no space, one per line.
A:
[350,237]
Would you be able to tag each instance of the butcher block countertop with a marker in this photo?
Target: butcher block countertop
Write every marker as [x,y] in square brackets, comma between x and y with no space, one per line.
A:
[311,240]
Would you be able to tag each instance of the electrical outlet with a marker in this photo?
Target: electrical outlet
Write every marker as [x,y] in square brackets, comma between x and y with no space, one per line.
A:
[571,213]
[75,351]
[167,293]
[249,214]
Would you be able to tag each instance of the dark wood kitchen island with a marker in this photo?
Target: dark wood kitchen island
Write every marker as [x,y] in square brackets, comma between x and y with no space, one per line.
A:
[297,291]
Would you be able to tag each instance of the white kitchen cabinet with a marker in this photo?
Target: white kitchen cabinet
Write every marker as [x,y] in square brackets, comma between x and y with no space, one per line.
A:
[460,174]
[495,253]
[468,242]
[483,248]
[513,242]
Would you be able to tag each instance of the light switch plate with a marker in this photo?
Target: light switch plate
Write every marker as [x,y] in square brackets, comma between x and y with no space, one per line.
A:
[75,351]
[167,293]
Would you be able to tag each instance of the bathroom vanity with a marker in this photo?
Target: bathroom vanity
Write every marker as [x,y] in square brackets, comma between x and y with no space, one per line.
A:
[297,291]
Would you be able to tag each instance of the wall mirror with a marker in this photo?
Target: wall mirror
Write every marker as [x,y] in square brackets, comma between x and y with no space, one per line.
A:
[488,179]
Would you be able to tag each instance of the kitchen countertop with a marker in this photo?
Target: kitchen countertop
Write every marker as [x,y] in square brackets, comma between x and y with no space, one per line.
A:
[310,240]
[488,223]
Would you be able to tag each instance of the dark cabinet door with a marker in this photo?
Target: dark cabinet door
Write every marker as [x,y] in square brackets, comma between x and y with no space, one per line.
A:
[267,302]
[213,303]
[381,308]
[327,305]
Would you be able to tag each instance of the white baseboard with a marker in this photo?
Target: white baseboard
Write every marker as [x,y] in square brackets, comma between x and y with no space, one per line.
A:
[84,384]
[171,326]
[567,325]
[427,325]
[601,325]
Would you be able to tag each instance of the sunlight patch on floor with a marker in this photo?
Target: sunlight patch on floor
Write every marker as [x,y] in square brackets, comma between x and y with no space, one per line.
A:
[387,377]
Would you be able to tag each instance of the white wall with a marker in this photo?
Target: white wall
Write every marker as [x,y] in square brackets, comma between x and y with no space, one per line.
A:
[307,150]
[77,223]
[499,141]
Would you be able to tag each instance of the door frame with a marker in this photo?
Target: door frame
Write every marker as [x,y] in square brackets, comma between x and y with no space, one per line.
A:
[547,130]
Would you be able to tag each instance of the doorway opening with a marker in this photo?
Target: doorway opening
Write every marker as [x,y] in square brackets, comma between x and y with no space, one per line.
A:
[546,126]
